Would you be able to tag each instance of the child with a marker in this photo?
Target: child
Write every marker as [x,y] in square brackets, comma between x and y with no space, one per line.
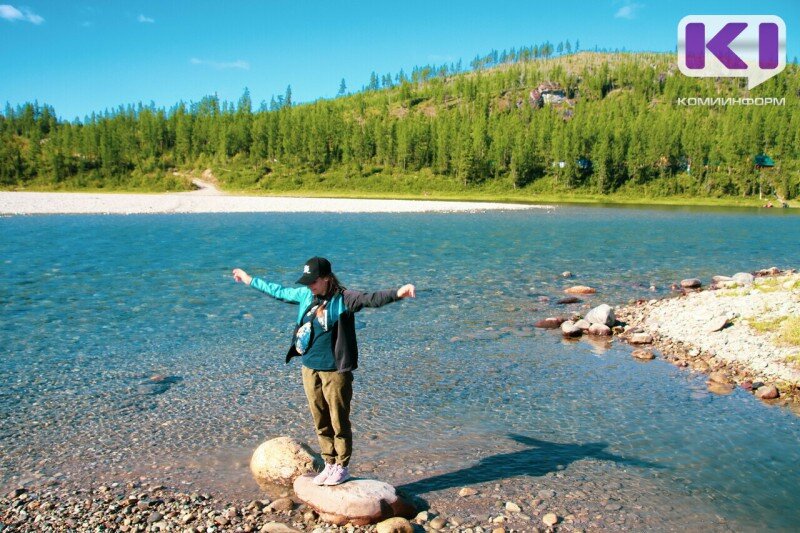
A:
[325,338]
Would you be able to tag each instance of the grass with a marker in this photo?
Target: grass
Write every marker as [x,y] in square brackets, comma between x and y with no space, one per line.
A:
[787,328]
[793,360]
[790,331]
[769,325]
[241,178]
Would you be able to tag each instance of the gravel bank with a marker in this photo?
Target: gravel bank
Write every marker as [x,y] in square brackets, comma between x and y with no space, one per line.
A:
[30,203]
[748,348]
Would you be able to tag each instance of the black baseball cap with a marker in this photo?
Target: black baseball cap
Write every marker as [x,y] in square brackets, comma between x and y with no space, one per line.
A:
[315,268]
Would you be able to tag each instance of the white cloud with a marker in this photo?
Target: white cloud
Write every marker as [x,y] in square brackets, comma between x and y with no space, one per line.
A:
[142,18]
[628,11]
[13,14]
[220,65]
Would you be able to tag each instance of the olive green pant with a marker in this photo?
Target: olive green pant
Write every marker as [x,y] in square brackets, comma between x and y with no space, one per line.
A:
[329,395]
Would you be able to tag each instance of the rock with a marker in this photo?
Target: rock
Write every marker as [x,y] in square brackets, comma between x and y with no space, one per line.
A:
[717,324]
[580,289]
[438,523]
[569,329]
[640,338]
[359,501]
[719,279]
[568,300]
[552,322]
[747,385]
[281,504]
[583,324]
[691,283]
[600,330]
[723,389]
[277,527]
[281,460]
[644,355]
[422,516]
[566,274]
[154,517]
[467,491]
[550,519]
[395,525]
[602,314]
[767,392]
[719,377]
[512,507]
[16,493]
[744,278]
[545,494]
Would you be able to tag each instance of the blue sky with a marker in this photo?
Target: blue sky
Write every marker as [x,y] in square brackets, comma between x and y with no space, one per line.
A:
[89,56]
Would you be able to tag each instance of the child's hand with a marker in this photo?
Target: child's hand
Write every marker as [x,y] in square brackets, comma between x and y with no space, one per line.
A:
[407,291]
[240,275]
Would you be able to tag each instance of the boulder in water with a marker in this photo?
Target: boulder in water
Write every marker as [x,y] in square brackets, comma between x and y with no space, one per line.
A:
[358,501]
[281,460]
[602,314]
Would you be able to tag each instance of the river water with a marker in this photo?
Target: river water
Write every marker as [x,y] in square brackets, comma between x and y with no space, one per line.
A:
[126,347]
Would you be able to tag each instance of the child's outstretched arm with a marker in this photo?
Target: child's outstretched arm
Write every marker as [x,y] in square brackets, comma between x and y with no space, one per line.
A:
[357,300]
[272,289]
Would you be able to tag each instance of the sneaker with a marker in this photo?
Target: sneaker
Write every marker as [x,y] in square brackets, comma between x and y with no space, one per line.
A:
[323,476]
[338,475]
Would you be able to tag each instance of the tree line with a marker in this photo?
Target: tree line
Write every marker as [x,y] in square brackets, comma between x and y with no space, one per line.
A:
[613,125]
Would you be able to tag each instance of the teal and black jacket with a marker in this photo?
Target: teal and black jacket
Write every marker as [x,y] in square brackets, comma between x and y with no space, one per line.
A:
[341,311]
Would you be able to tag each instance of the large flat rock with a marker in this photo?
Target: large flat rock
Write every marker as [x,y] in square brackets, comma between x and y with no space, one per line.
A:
[358,501]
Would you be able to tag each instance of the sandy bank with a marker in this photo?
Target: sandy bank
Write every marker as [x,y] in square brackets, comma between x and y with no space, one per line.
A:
[751,346]
[29,203]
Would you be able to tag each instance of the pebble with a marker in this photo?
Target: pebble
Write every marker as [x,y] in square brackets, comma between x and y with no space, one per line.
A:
[545,494]
[438,523]
[645,355]
[550,519]
[467,491]
[512,507]
[767,392]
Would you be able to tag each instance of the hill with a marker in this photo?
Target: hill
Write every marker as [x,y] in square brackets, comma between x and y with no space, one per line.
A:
[580,125]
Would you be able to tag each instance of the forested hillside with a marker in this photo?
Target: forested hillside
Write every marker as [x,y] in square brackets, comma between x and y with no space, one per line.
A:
[516,123]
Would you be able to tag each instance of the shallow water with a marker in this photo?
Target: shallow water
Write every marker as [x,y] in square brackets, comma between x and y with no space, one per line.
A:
[125,346]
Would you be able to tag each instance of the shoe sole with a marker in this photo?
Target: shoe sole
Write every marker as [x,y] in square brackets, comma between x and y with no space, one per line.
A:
[337,483]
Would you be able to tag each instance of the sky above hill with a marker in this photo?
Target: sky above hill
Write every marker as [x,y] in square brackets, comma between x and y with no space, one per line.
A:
[89,56]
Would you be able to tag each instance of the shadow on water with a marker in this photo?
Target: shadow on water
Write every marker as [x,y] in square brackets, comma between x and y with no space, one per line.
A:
[537,460]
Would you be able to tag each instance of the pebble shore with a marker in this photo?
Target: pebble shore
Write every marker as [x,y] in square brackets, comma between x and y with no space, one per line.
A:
[30,203]
[712,331]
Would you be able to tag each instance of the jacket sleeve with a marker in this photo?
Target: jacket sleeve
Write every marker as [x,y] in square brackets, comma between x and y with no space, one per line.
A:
[357,300]
[279,292]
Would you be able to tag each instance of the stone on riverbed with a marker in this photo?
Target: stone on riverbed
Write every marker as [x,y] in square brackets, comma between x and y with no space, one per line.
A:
[601,330]
[691,283]
[640,338]
[570,329]
[359,501]
[602,314]
[580,289]
[552,322]
[282,459]
[644,355]
[568,300]
[767,392]
[583,324]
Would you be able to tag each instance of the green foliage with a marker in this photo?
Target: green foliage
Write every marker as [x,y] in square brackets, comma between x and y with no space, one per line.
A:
[619,132]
